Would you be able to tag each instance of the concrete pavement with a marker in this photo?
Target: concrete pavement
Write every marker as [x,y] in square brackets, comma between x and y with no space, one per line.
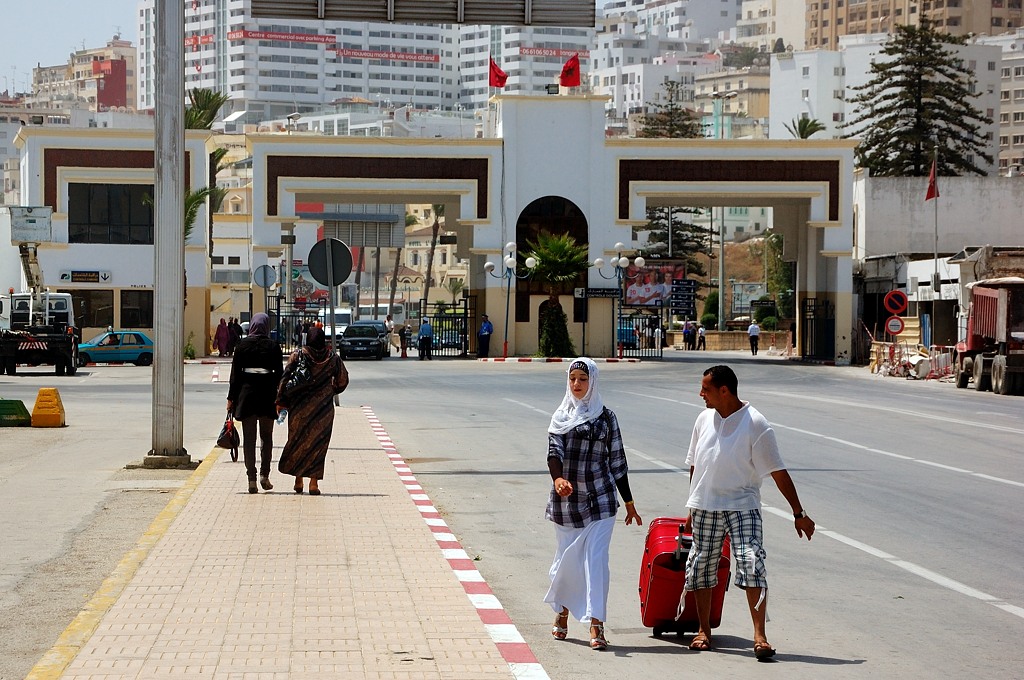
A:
[364,581]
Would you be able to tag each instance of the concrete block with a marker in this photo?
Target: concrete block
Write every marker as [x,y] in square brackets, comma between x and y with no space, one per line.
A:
[48,411]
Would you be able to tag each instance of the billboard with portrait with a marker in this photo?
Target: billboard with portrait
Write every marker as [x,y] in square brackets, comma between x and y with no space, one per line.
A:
[652,283]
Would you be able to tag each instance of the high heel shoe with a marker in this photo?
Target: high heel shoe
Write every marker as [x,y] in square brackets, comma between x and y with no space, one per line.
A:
[560,628]
[597,639]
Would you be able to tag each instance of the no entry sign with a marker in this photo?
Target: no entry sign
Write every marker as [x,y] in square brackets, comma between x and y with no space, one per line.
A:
[895,301]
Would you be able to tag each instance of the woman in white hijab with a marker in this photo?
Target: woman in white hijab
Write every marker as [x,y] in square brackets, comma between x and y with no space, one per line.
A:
[587,464]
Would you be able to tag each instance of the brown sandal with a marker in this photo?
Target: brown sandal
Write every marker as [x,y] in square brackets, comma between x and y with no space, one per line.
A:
[763,650]
[700,643]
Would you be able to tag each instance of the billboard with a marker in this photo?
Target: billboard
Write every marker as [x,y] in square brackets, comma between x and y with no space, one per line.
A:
[652,283]
[568,13]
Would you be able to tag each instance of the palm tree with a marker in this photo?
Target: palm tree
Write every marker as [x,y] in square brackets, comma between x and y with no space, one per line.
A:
[203,107]
[560,261]
[455,288]
[435,228]
[803,128]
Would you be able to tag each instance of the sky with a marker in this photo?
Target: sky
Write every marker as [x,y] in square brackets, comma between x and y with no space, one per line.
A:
[45,32]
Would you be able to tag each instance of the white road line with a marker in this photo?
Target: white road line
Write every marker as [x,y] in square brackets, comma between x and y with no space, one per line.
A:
[528,406]
[862,447]
[901,412]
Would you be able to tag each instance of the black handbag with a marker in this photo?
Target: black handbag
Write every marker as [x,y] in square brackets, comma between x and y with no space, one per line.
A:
[299,379]
[228,438]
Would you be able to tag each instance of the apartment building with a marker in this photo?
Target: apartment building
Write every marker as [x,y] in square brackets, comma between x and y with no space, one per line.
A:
[828,20]
[96,79]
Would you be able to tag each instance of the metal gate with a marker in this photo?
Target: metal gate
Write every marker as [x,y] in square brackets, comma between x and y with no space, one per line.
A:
[639,332]
[452,323]
[288,320]
[819,332]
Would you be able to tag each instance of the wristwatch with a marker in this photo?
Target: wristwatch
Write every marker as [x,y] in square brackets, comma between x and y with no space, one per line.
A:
[799,515]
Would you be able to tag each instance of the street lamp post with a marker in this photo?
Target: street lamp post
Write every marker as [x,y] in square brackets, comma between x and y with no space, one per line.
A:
[621,264]
[508,275]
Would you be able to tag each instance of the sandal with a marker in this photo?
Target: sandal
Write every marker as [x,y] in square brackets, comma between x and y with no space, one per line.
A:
[559,632]
[597,640]
[763,650]
[700,643]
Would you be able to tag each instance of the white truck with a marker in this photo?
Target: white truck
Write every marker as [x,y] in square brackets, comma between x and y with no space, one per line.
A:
[37,327]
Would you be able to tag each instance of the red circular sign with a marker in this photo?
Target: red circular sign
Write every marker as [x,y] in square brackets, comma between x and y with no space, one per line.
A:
[895,301]
[894,325]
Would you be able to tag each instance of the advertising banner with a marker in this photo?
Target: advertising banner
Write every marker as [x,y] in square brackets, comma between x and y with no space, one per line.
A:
[652,284]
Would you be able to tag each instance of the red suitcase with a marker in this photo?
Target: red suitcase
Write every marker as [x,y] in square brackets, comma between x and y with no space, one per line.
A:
[662,576]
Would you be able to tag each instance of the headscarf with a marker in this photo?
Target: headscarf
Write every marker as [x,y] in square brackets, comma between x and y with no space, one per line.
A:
[259,325]
[572,411]
[316,343]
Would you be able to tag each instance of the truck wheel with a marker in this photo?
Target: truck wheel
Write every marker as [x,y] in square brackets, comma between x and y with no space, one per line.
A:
[982,380]
[963,372]
[59,367]
[72,368]
[11,366]
[1001,381]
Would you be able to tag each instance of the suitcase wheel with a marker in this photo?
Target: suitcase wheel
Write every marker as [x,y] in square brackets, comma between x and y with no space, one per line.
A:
[658,630]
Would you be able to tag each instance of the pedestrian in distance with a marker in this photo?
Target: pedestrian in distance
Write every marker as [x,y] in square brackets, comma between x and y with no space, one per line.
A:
[311,410]
[702,341]
[234,334]
[587,464]
[252,392]
[754,331]
[484,338]
[221,337]
[732,449]
[425,338]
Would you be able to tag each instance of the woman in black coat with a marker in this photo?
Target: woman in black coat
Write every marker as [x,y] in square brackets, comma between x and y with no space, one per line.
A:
[255,373]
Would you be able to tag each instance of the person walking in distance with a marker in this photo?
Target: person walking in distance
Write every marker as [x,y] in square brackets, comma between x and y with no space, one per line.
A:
[311,410]
[255,375]
[754,331]
[702,341]
[732,449]
[587,464]
[484,338]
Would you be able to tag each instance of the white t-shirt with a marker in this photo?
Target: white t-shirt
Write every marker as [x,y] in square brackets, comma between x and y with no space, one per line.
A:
[754,329]
[730,456]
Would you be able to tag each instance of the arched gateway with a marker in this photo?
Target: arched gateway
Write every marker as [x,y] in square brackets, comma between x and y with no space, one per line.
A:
[536,151]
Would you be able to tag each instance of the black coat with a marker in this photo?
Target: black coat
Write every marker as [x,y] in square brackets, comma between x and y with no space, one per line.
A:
[253,394]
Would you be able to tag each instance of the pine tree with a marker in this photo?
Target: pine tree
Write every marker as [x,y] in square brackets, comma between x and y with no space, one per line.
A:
[670,118]
[688,240]
[918,98]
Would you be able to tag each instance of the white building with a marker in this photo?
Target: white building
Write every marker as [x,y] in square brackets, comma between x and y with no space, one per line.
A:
[1011,100]
[273,67]
[763,22]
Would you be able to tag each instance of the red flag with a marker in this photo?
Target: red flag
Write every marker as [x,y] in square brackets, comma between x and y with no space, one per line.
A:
[933,187]
[570,76]
[497,77]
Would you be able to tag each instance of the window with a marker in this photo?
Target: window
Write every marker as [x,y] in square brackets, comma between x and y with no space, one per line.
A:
[136,309]
[805,71]
[1018,117]
[1004,140]
[93,308]
[110,213]
[234,259]
[805,93]
[1018,139]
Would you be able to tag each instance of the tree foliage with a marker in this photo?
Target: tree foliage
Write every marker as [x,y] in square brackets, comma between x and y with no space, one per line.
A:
[670,118]
[435,229]
[690,242]
[918,99]
[804,128]
[560,261]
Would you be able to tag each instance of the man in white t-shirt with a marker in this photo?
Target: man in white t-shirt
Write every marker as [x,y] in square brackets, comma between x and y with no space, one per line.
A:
[754,331]
[731,450]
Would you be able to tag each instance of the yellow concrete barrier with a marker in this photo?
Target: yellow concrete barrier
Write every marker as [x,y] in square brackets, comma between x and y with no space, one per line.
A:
[48,411]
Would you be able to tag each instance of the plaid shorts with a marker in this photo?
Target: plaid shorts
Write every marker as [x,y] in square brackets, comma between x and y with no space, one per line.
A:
[745,533]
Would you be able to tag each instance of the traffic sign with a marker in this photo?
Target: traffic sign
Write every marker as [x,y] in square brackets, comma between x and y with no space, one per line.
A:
[340,258]
[895,301]
[602,292]
[264,276]
[894,325]
[684,284]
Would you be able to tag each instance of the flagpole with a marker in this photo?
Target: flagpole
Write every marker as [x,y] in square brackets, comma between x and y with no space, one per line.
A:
[936,282]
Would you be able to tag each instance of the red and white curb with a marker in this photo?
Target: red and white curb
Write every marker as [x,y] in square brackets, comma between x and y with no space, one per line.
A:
[506,637]
[554,360]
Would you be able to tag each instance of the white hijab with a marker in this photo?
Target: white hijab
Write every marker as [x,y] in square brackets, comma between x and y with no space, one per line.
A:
[572,411]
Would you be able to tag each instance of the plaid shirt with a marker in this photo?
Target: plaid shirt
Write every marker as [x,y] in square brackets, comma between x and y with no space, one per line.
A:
[592,460]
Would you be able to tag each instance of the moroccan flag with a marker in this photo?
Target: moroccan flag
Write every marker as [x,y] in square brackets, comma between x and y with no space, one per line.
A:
[570,76]
[497,77]
[933,187]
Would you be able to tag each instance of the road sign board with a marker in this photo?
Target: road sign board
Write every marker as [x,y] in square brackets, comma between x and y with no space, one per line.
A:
[264,276]
[341,261]
[894,325]
[895,301]
[602,292]
[683,297]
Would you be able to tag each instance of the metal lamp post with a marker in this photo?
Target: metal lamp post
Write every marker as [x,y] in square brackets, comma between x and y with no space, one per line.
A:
[508,275]
[621,264]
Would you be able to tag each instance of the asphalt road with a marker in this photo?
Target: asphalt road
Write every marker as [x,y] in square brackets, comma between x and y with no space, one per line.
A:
[915,570]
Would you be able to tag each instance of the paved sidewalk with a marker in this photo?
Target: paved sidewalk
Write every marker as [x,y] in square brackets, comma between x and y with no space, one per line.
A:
[364,581]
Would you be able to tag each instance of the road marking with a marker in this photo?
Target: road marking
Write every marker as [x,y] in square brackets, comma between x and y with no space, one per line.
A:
[914,414]
[528,406]
[862,447]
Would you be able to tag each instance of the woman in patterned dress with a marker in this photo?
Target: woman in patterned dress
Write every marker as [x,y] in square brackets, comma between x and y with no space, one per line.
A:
[311,411]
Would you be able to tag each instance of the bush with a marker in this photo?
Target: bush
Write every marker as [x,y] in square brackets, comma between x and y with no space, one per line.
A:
[190,349]
[709,321]
[762,313]
[770,323]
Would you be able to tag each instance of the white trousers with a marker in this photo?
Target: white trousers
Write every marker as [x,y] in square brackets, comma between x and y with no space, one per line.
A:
[579,573]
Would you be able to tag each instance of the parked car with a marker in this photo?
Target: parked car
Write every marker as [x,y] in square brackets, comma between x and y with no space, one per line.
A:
[382,331]
[363,339]
[133,346]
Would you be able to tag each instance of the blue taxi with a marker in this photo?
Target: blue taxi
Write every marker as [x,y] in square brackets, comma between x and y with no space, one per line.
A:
[109,346]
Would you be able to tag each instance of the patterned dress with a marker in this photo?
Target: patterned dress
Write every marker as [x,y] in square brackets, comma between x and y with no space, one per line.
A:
[311,414]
